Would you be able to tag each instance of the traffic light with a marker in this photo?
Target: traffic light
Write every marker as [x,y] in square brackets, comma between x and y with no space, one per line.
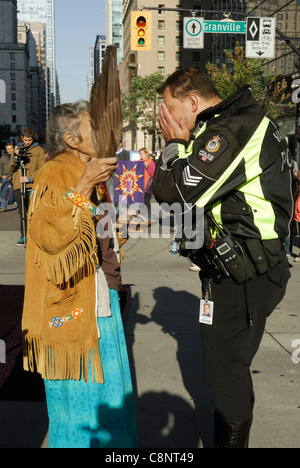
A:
[141,30]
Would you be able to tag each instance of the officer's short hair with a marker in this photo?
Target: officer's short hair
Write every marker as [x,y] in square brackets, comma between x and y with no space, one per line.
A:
[189,80]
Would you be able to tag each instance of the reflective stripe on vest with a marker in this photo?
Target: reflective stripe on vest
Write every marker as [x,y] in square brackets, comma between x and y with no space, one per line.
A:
[263,213]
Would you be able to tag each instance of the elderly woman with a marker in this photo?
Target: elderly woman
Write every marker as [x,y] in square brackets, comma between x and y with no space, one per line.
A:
[82,358]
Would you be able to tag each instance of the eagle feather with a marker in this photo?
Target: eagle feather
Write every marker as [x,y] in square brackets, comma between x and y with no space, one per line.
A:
[106,106]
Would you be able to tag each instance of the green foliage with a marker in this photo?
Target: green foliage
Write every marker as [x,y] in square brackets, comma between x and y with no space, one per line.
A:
[140,107]
[266,88]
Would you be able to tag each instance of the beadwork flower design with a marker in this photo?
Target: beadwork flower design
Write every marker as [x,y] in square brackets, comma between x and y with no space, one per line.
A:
[76,313]
[57,322]
[79,200]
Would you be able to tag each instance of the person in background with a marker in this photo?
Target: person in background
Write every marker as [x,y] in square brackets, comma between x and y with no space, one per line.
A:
[149,174]
[121,153]
[5,173]
[33,157]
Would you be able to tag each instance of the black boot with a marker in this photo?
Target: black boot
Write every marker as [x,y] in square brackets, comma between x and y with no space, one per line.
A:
[235,435]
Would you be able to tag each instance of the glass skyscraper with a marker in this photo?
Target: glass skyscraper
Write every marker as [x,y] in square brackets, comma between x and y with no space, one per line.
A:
[114,28]
[43,11]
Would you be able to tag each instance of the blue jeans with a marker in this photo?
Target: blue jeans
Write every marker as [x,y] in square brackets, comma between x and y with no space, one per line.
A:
[4,203]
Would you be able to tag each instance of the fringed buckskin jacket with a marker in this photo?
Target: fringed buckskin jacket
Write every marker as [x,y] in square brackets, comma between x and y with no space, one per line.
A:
[60,333]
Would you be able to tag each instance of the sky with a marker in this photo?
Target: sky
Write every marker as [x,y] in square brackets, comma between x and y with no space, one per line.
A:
[76,27]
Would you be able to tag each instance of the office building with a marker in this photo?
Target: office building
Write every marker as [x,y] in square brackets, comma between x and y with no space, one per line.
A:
[167,52]
[14,71]
[43,11]
[114,28]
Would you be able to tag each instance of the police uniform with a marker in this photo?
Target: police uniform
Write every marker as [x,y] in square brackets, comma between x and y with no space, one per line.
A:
[237,168]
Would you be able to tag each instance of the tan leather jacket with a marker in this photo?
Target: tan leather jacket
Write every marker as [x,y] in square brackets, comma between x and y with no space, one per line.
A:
[36,159]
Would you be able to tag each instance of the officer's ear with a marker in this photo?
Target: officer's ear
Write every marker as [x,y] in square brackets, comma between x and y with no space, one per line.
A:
[194,100]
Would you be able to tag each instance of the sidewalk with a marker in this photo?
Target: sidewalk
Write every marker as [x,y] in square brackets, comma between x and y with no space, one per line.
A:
[173,403]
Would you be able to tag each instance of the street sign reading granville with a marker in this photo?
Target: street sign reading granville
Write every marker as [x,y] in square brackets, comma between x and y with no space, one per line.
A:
[225,27]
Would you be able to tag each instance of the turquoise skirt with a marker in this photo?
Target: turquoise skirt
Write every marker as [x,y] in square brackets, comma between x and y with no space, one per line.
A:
[91,415]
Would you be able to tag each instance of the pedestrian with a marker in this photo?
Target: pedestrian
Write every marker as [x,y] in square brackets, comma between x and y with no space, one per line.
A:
[295,228]
[149,174]
[228,158]
[72,324]
[121,153]
[25,163]
[5,176]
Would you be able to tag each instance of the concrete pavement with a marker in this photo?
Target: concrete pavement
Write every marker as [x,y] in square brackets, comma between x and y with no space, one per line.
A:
[173,403]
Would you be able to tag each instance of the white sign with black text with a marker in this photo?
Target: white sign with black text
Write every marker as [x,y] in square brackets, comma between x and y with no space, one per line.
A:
[260,38]
[193,33]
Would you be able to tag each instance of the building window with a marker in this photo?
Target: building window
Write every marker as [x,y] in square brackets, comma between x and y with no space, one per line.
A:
[179,41]
[179,25]
[161,12]
[12,56]
[13,96]
[161,56]
[161,41]
[12,66]
[161,25]
[14,119]
[178,56]
[13,76]
[2,92]
[14,106]
[161,71]
[13,86]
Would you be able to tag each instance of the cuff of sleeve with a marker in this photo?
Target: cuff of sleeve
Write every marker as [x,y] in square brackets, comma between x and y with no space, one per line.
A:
[81,201]
[178,142]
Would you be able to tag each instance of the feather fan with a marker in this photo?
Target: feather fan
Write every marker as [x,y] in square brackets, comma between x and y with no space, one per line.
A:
[106,106]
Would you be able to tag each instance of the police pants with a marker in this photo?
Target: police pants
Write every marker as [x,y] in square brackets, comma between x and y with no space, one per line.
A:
[230,344]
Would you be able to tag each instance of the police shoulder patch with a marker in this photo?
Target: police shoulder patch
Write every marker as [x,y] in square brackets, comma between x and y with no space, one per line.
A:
[214,146]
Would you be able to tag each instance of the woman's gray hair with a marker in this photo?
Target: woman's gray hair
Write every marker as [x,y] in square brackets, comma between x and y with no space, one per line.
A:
[64,118]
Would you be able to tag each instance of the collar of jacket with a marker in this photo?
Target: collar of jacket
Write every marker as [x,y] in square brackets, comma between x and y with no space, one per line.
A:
[240,97]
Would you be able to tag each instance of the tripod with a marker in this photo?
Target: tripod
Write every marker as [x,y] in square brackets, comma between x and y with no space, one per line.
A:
[23,196]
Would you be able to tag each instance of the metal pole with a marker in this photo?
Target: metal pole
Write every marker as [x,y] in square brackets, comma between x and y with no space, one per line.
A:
[23,195]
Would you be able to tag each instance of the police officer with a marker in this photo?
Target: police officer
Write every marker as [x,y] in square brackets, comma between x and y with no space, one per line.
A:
[230,159]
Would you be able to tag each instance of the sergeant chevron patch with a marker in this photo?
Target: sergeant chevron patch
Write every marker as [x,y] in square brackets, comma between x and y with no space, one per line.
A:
[188,179]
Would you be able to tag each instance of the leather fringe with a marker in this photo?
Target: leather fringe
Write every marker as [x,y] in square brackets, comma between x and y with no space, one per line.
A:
[80,258]
[75,362]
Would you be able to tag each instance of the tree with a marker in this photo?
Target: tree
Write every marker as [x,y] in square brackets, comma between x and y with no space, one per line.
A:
[140,106]
[268,89]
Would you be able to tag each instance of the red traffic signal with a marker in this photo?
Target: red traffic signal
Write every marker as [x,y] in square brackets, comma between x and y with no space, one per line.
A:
[141,30]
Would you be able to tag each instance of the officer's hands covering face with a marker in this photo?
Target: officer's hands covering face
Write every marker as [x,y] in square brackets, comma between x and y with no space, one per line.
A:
[171,129]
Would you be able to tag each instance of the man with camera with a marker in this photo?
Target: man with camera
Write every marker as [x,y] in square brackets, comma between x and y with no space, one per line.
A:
[5,176]
[229,159]
[25,164]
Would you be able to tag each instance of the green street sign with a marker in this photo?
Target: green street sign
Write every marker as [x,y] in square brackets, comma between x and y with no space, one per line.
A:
[225,27]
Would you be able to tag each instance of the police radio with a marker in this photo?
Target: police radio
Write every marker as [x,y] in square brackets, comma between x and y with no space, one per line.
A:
[231,256]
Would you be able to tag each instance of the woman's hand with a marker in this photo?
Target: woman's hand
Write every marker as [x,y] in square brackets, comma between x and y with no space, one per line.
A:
[97,171]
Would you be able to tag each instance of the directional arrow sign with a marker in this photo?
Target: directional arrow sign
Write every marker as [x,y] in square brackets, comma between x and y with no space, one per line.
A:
[260,39]
[193,36]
